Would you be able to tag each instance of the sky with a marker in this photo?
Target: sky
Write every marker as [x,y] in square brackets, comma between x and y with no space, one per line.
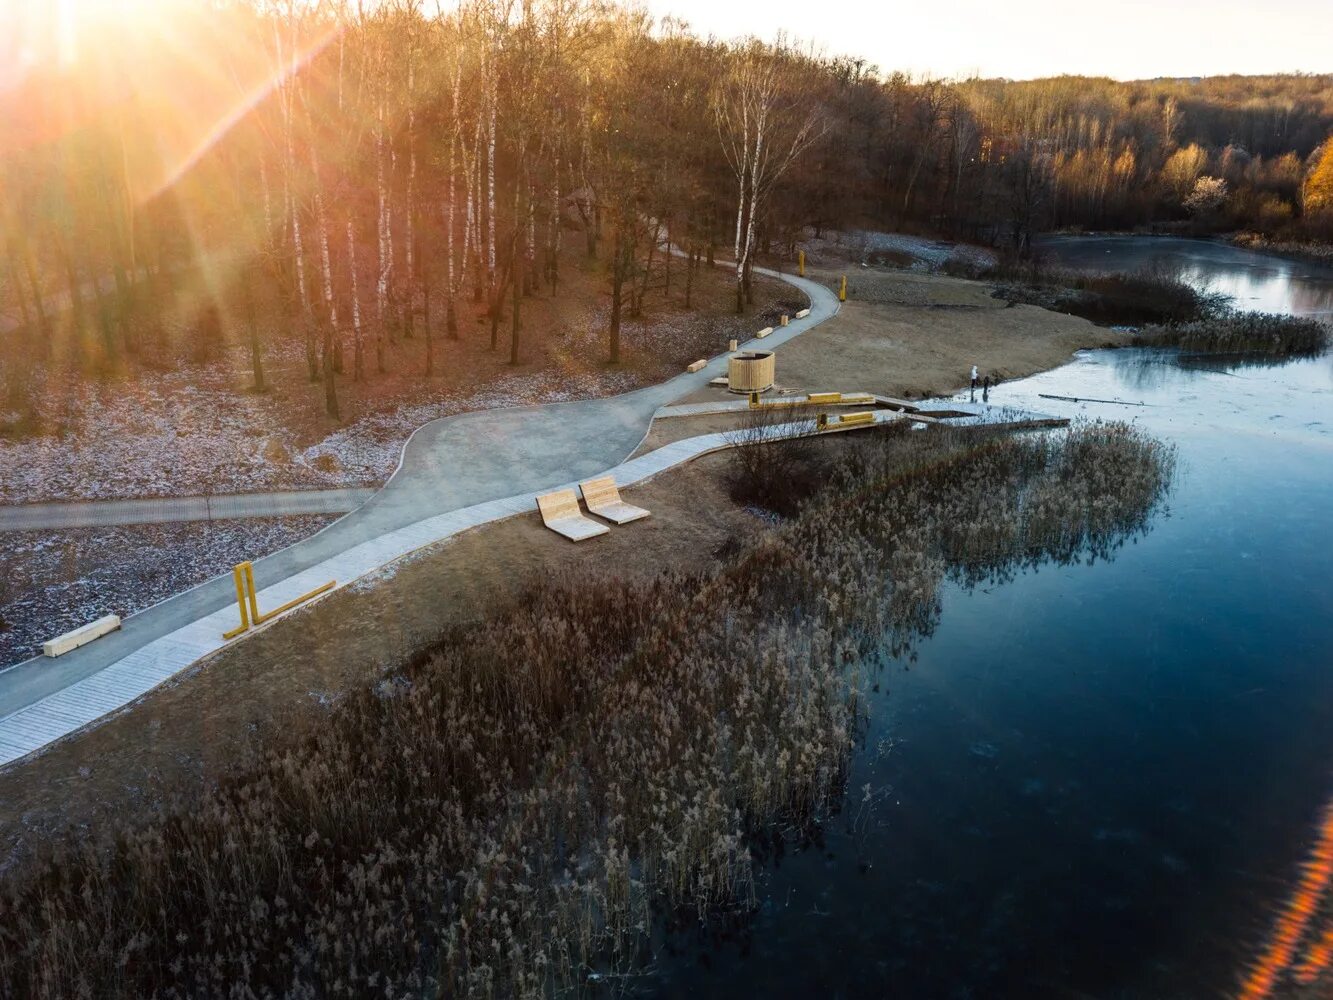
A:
[1022,39]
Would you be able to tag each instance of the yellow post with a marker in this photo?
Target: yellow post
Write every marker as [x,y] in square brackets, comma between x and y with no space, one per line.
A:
[842,292]
[248,601]
[800,257]
[754,400]
[821,421]
[238,575]
[248,569]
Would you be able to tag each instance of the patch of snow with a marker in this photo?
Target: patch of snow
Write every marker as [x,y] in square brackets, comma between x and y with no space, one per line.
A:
[57,580]
[860,245]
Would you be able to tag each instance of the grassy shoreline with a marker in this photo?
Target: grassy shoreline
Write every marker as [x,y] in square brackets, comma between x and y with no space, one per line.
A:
[521,804]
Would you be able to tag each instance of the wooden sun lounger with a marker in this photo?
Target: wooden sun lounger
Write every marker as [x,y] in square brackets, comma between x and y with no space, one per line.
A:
[603,499]
[560,513]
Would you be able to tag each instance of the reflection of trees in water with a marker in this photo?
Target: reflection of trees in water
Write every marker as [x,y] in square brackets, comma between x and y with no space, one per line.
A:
[1277,284]
[1312,298]
[975,507]
[1155,369]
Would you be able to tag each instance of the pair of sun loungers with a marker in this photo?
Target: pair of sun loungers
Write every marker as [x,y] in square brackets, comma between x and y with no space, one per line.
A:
[560,510]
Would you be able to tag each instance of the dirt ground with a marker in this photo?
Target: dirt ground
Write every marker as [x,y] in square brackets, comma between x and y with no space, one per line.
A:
[909,336]
[175,422]
[918,335]
[272,685]
[905,335]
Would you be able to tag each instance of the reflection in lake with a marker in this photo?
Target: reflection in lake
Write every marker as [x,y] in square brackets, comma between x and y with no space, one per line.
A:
[1253,281]
[1104,780]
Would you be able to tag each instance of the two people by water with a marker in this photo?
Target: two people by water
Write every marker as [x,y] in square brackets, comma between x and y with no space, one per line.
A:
[984,383]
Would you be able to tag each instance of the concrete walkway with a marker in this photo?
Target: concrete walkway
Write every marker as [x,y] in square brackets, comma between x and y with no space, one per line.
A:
[449,466]
[84,701]
[104,513]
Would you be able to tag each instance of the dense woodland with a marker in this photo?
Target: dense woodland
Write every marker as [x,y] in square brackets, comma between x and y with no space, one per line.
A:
[368,170]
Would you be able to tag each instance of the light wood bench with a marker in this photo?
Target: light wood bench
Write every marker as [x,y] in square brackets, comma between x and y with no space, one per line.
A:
[766,331]
[857,398]
[603,499]
[560,513]
[803,314]
[824,397]
[81,636]
[864,417]
[697,366]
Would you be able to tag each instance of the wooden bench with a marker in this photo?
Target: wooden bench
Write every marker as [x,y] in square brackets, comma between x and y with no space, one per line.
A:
[854,398]
[820,398]
[603,499]
[697,366]
[803,314]
[81,636]
[864,417]
[560,512]
[766,331]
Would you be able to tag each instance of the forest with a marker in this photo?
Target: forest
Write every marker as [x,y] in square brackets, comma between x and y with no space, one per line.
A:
[349,174]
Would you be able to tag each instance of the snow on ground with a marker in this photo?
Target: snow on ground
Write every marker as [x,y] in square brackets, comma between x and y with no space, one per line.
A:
[863,246]
[182,439]
[190,431]
[57,580]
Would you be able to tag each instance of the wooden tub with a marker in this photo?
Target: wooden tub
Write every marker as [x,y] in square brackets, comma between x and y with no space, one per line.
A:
[751,371]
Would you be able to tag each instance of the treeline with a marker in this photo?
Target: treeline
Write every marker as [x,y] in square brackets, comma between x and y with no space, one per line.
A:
[376,169]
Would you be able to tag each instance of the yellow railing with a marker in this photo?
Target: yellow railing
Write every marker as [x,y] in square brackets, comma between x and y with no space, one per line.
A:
[244,576]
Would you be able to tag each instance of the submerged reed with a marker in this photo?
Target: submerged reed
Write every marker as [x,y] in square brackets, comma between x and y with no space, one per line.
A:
[514,811]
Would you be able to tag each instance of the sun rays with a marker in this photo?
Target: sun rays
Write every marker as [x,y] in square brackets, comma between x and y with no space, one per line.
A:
[1282,959]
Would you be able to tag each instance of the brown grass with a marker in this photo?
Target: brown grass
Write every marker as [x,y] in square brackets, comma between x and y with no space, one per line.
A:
[510,812]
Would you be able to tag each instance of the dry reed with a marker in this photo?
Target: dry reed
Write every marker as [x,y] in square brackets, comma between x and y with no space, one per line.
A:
[514,812]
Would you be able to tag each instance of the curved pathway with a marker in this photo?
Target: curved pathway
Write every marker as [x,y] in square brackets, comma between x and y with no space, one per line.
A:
[452,466]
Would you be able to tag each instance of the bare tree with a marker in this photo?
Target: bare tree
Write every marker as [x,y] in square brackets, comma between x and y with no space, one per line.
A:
[764,126]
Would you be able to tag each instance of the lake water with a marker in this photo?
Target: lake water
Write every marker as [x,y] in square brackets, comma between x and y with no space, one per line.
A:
[1096,780]
[1255,281]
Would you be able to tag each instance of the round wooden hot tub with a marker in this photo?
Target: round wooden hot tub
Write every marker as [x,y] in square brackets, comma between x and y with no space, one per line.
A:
[751,371]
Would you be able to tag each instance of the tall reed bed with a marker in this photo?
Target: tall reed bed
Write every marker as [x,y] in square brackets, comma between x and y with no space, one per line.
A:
[1147,295]
[515,811]
[1243,333]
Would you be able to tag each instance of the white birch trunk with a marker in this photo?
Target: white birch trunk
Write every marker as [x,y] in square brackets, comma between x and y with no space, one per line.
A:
[358,360]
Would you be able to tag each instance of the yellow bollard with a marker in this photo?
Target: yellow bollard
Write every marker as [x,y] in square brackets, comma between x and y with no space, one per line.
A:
[800,257]
[754,400]
[842,292]
[238,574]
[244,575]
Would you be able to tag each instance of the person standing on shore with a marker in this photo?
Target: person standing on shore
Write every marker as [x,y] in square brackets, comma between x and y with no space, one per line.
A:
[974,381]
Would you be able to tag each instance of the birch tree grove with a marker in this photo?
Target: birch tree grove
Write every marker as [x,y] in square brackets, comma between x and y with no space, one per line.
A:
[765,125]
[397,161]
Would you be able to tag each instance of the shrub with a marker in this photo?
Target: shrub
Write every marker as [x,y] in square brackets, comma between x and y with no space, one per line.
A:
[1263,334]
[1151,295]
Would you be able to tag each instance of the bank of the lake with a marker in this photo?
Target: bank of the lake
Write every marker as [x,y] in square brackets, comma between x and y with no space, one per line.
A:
[1097,780]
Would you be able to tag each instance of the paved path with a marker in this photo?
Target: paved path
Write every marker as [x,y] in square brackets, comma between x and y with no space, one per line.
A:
[448,466]
[102,513]
[84,701]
